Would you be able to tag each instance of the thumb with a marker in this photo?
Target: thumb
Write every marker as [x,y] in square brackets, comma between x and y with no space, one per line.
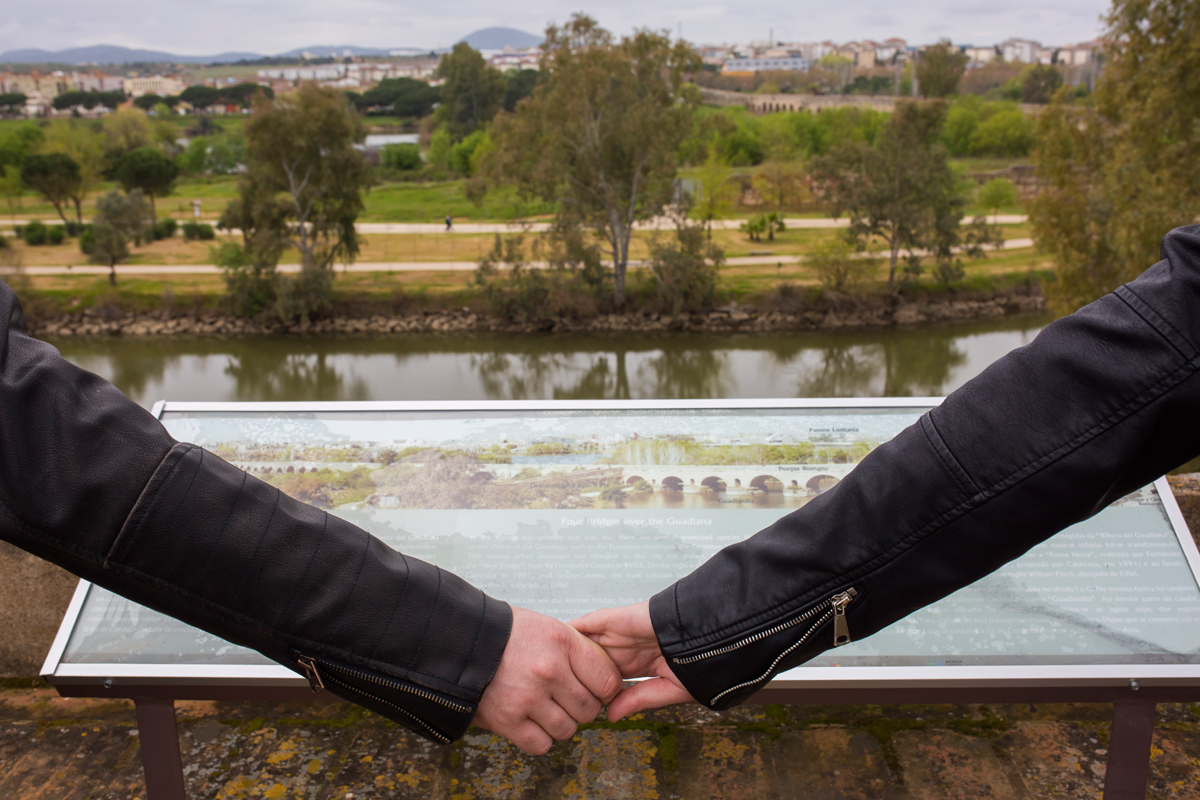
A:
[650,693]
[593,668]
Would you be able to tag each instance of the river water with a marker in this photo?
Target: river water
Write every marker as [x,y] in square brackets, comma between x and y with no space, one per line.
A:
[924,361]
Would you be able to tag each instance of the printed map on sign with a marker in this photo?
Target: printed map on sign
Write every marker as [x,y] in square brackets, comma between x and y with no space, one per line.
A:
[566,511]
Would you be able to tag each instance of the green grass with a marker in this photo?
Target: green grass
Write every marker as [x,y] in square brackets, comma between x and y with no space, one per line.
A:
[431,202]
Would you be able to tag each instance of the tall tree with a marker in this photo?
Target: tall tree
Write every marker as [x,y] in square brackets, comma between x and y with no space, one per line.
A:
[940,68]
[600,135]
[120,218]
[1039,83]
[127,129]
[714,193]
[84,144]
[902,190]
[1118,172]
[301,146]
[472,92]
[54,176]
[147,169]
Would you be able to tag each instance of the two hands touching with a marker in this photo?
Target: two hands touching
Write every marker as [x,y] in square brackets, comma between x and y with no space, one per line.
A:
[554,676]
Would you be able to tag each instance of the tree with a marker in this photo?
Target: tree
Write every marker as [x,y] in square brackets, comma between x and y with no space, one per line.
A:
[147,101]
[600,136]
[147,169]
[520,85]
[472,91]
[996,194]
[902,190]
[200,96]
[778,183]
[301,146]
[940,68]
[402,156]
[54,176]
[1005,133]
[1039,83]
[84,144]
[127,129]
[838,267]
[404,97]
[12,101]
[714,194]
[1118,172]
[120,218]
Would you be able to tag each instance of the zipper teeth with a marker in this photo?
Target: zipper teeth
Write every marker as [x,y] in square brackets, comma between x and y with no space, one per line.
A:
[370,678]
[436,734]
[783,626]
[828,613]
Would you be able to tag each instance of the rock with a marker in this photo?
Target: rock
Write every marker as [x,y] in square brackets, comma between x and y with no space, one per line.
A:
[908,315]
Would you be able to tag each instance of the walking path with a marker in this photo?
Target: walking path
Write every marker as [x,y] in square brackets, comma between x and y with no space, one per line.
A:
[391,266]
[661,223]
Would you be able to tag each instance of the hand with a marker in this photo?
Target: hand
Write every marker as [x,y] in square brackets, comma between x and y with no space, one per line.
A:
[627,635]
[549,680]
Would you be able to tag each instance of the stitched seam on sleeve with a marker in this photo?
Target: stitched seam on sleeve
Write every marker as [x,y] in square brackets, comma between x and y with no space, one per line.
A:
[261,628]
[437,598]
[474,642]
[210,562]
[929,428]
[1163,326]
[257,546]
[147,500]
[395,606]
[1148,396]
[304,576]
[362,562]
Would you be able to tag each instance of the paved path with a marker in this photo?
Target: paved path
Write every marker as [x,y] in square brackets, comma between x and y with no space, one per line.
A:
[539,227]
[384,266]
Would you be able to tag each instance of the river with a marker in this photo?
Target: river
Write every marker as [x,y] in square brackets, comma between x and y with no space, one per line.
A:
[921,361]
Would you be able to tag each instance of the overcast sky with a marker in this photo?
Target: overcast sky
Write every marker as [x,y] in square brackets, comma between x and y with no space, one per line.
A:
[273,26]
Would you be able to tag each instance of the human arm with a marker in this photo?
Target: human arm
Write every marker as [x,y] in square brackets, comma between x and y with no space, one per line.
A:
[90,481]
[1100,404]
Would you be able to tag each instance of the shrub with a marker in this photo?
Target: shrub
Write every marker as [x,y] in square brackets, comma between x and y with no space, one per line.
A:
[402,157]
[949,271]
[87,241]
[517,292]
[164,229]
[839,268]
[34,233]
[193,231]
[304,297]
[74,228]
[1005,133]
[251,288]
[785,297]
[684,271]
[55,234]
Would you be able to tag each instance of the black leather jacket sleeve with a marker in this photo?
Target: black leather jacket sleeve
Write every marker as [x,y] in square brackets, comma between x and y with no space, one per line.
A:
[93,483]
[1101,403]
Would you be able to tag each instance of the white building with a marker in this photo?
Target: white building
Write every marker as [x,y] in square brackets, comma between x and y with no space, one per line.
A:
[786,63]
[159,85]
[1026,51]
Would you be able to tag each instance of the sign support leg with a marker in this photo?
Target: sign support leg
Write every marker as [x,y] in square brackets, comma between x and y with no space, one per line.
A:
[159,741]
[1128,770]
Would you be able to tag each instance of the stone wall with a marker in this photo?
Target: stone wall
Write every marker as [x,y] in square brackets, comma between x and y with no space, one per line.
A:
[33,598]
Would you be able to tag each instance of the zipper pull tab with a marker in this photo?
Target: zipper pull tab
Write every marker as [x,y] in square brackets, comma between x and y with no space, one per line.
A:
[841,629]
[310,671]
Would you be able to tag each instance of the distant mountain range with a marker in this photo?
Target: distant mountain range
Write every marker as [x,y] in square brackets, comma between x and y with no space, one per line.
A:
[108,54]
[500,38]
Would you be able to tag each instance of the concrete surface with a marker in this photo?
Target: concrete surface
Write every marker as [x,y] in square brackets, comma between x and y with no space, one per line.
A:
[58,749]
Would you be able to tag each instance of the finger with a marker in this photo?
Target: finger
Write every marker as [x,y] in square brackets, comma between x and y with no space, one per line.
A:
[650,693]
[552,719]
[530,737]
[576,700]
[594,669]
[594,623]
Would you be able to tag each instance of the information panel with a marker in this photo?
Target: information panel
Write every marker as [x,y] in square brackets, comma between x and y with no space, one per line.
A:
[566,510]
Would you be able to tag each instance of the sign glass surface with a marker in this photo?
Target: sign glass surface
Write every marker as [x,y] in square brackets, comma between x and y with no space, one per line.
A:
[566,511]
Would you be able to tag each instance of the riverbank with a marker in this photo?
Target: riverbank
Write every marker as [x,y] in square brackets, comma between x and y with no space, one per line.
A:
[831,312]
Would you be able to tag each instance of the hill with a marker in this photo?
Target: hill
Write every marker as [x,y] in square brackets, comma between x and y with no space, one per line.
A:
[500,38]
[112,54]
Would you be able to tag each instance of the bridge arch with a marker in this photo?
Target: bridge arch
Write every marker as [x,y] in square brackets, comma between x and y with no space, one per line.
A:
[672,483]
[713,483]
[632,479]
[819,484]
[767,483]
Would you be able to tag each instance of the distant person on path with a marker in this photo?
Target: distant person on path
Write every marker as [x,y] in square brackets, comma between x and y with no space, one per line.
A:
[449,222]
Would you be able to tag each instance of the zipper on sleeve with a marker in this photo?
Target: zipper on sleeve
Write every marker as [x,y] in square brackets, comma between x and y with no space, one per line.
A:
[834,607]
[319,671]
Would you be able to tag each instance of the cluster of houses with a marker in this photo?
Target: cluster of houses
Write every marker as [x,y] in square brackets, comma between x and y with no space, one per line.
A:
[40,88]
[764,56]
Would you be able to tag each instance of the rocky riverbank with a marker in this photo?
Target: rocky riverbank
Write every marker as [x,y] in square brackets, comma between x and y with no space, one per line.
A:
[833,312]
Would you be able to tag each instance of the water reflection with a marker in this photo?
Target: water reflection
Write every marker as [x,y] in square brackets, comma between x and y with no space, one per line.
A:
[885,362]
